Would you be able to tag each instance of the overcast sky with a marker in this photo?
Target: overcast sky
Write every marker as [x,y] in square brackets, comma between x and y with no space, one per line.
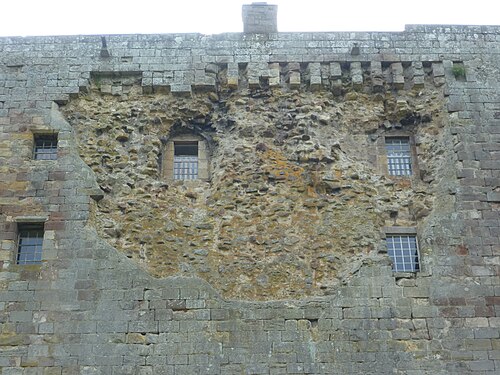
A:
[65,17]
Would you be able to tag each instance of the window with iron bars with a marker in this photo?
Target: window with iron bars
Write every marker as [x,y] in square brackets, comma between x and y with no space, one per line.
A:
[30,241]
[45,147]
[403,250]
[186,160]
[398,156]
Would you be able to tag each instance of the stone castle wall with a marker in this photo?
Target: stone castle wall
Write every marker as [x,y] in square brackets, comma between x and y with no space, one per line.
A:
[277,263]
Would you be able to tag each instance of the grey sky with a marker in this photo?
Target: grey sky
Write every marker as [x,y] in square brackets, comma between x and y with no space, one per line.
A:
[60,17]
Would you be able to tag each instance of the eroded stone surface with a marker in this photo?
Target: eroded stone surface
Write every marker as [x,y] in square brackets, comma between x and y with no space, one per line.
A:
[298,194]
[88,309]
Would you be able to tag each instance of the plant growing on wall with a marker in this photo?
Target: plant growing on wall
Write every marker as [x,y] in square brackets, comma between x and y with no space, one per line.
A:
[458,71]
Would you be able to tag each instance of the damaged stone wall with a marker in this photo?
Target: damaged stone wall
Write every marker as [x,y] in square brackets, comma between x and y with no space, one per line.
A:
[297,200]
[276,264]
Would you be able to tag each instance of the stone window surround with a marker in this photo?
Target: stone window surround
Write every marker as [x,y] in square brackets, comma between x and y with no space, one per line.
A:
[402,231]
[382,164]
[40,135]
[186,160]
[167,165]
[398,153]
[25,221]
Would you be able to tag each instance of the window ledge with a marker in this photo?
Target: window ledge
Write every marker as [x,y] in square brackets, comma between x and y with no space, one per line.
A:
[399,230]
[31,219]
[26,267]
[405,275]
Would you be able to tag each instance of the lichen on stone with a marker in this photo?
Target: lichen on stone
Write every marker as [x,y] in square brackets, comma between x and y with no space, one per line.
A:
[296,200]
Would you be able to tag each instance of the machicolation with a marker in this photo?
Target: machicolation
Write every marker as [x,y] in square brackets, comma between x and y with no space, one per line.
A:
[251,203]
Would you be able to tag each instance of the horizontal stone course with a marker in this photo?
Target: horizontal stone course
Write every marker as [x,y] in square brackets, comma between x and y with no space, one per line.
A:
[90,310]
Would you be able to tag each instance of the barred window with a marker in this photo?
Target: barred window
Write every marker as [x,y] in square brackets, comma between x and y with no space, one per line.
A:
[398,156]
[403,250]
[45,147]
[30,240]
[186,160]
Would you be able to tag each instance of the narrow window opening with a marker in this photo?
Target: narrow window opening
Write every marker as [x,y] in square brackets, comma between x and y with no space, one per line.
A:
[30,241]
[45,147]
[398,156]
[403,250]
[185,160]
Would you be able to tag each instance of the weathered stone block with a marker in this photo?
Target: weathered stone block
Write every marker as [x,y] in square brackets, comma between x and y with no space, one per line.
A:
[301,280]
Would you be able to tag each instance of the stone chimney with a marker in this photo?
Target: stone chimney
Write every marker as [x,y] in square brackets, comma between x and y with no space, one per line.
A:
[260,18]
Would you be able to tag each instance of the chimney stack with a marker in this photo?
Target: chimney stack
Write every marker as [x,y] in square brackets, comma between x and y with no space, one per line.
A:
[260,18]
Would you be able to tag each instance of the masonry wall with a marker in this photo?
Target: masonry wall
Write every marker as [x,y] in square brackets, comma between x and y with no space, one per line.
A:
[90,309]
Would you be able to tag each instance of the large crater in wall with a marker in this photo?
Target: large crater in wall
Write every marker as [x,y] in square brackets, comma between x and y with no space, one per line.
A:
[296,202]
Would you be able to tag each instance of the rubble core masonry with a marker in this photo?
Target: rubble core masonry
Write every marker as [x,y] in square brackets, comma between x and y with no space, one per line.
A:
[251,203]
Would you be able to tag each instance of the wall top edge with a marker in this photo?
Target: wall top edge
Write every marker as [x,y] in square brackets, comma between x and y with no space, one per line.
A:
[409,29]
